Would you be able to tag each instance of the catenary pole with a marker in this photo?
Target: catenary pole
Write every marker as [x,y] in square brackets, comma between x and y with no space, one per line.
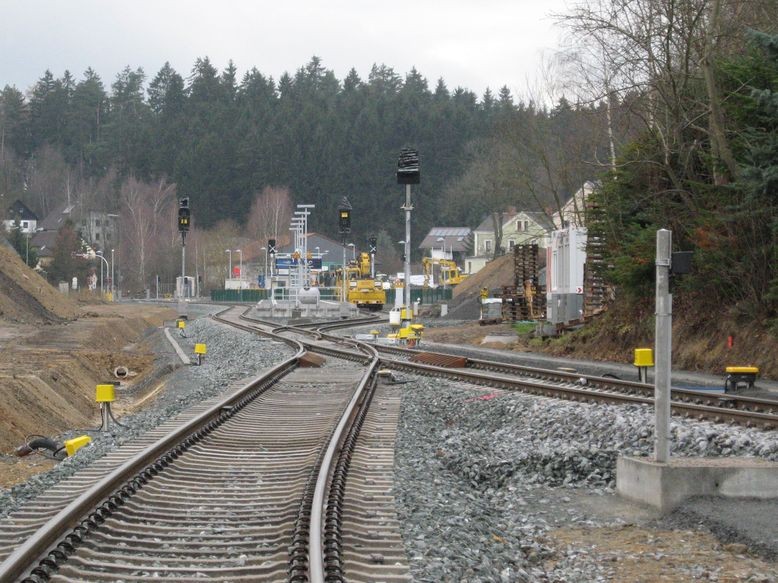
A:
[663,348]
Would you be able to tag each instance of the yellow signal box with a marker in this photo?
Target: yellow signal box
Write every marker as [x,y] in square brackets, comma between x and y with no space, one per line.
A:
[105,394]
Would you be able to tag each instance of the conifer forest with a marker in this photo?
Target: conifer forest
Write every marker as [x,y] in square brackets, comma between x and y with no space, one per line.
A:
[670,107]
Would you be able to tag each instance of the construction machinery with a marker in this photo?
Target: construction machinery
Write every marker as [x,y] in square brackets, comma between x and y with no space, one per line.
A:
[450,273]
[363,289]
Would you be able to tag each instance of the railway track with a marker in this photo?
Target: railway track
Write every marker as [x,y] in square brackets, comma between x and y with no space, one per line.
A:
[285,477]
[746,411]
[251,487]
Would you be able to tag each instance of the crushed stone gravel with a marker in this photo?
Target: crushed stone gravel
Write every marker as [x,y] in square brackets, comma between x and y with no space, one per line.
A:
[481,475]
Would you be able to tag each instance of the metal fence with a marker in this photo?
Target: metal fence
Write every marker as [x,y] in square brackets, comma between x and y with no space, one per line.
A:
[238,295]
[425,295]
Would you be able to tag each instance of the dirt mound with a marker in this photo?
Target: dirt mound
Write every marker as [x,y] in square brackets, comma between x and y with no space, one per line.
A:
[494,275]
[26,297]
[464,305]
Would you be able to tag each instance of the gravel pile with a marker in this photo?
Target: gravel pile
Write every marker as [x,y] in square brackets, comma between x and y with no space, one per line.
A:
[477,473]
[232,355]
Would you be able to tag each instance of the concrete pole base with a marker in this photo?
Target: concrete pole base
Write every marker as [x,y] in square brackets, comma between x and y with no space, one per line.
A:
[666,485]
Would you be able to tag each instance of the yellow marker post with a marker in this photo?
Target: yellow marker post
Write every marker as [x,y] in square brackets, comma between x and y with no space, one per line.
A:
[644,358]
[105,395]
[737,375]
[200,351]
[181,325]
[73,445]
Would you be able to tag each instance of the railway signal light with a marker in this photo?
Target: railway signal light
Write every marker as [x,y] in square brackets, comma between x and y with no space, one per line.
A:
[408,171]
[344,216]
[184,215]
[373,242]
[271,246]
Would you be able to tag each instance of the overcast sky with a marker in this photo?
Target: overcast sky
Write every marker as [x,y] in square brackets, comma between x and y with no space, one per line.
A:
[470,43]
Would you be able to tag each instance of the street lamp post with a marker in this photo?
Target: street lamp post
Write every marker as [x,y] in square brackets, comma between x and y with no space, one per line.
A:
[229,268]
[113,286]
[265,272]
[100,255]
[240,292]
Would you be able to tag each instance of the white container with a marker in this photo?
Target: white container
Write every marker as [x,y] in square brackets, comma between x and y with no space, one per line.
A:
[309,296]
[395,317]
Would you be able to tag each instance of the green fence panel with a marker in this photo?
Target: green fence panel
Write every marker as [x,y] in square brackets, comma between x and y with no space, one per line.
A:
[425,295]
[236,295]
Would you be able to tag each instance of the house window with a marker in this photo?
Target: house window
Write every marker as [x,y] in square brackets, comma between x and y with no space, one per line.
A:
[25,224]
[511,244]
[108,236]
[522,226]
[97,222]
[97,236]
[488,245]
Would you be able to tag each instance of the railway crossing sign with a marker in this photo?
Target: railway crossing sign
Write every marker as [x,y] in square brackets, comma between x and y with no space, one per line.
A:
[271,246]
[373,242]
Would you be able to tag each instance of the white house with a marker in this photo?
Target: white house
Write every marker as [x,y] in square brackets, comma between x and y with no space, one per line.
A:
[573,212]
[27,220]
[518,228]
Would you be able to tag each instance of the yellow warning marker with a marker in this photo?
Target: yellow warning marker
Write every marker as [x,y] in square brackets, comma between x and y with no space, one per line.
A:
[200,351]
[73,445]
[644,358]
[105,395]
[181,324]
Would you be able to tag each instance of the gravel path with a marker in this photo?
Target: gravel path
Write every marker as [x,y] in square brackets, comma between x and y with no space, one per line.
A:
[232,354]
[482,475]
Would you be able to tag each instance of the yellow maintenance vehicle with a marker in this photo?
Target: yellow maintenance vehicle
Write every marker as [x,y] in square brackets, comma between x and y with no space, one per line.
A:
[449,271]
[362,288]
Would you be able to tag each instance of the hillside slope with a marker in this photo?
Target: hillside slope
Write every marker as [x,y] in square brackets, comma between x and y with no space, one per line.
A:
[25,297]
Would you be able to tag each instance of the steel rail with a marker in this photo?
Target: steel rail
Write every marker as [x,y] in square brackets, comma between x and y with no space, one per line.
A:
[316,551]
[43,541]
[753,404]
[746,411]
[343,430]
[747,418]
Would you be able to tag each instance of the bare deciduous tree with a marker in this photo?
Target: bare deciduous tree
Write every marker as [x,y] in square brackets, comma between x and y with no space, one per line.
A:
[145,208]
[269,215]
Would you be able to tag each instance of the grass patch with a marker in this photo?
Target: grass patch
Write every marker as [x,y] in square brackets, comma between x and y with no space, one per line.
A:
[524,328]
